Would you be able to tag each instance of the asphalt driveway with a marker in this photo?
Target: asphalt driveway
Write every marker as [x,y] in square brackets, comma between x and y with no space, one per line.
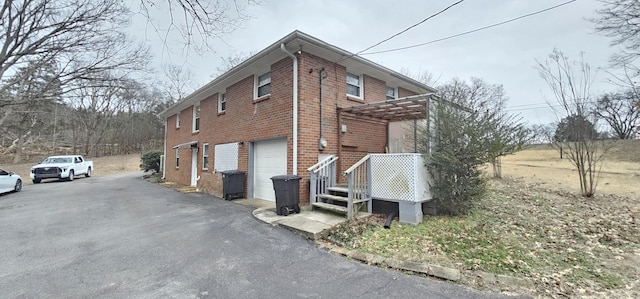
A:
[121,237]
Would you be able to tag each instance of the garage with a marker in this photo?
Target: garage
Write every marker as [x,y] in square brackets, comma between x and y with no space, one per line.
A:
[270,159]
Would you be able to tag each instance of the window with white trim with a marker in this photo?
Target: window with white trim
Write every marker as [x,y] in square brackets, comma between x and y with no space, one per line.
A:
[222,102]
[196,117]
[225,157]
[263,85]
[178,120]
[354,85]
[391,93]
[177,157]
[205,156]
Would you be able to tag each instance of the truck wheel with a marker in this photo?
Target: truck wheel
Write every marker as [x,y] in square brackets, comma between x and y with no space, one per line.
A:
[18,186]
[70,178]
[36,181]
[88,174]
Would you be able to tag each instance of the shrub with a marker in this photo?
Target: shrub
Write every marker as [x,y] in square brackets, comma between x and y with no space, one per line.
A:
[150,161]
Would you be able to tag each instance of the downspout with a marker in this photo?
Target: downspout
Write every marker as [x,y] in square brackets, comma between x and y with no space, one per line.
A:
[295,108]
[164,149]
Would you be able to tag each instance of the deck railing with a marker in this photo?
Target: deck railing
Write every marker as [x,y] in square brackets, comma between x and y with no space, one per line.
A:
[323,176]
[359,184]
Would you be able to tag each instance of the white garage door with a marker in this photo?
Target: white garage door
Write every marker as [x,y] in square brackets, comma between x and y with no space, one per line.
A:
[270,159]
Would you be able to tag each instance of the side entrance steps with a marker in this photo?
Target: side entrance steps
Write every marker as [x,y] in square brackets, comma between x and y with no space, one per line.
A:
[336,199]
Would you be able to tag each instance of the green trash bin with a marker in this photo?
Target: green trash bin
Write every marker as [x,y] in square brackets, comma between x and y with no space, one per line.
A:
[287,189]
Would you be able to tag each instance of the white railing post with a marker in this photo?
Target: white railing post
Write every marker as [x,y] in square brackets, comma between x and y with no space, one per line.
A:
[313,188]
[369,191]
[351,182]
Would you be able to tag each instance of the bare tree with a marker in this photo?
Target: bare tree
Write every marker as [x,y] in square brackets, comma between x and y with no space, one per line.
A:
[231,61]
[179,82]
[619,19]
[570,83]
[96,101]
[26,106]
[621,112]
[195,21]
[542,133]
[505,134]
[81,37]
[422,76]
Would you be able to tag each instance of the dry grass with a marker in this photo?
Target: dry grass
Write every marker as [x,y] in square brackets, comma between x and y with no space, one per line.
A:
[102,166]
[534,226]
[542,165]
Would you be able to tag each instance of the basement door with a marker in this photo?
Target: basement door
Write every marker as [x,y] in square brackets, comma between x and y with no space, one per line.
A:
[270,159]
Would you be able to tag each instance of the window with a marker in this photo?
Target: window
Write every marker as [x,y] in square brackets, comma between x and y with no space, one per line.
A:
[225,156]
[222,102]
[177,157]
[263,85]
[391,93]
[205,156]
[354,85]
[196,117]
[178,120]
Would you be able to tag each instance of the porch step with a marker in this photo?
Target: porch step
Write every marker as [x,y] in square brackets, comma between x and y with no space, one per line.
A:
[340,189]
[330,207]
[339,198]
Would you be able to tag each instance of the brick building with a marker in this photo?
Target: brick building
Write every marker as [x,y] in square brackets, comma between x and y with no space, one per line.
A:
[278,113]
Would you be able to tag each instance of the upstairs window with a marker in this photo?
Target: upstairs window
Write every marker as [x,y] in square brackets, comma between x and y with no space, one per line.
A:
[354,85]
[263,85]
[222,103]
[391,93]
[196,118]
[178,120]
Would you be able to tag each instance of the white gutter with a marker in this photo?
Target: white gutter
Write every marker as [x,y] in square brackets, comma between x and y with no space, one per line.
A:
[295,108]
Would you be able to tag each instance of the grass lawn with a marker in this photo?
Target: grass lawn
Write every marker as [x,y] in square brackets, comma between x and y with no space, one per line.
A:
[565,244]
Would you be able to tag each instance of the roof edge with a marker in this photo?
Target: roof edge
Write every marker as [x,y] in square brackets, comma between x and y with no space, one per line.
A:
[296,34]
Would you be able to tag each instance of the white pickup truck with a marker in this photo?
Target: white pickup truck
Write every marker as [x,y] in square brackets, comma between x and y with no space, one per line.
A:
[61,167]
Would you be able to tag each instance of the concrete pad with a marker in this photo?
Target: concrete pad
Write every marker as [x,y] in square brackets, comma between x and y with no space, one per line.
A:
[307,227]
[267,215]
[327,218]
[256,203]
[310,224]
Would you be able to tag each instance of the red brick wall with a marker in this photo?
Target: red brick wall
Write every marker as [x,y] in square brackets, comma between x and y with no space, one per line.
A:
[362,137]
[246,120]
[402,93]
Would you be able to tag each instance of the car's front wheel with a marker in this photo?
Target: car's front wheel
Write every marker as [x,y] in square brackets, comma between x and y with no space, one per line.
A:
[18,186]
[70,178]
[36,181]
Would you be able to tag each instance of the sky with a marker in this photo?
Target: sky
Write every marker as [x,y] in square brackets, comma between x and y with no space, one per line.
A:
[504,54]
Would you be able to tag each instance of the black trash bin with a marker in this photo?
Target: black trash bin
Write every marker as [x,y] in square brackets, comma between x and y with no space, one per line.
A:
[287,188]
[232,184]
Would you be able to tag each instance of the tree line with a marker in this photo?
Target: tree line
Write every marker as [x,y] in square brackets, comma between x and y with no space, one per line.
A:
[72,79]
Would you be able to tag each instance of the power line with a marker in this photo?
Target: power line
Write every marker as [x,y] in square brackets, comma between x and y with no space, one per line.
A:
[405,30]
[468,32]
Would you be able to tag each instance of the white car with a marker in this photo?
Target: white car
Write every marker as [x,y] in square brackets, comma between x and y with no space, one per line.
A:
[10,182]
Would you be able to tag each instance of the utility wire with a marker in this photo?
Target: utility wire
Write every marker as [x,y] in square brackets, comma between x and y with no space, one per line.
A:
[467,32]
[405,30]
